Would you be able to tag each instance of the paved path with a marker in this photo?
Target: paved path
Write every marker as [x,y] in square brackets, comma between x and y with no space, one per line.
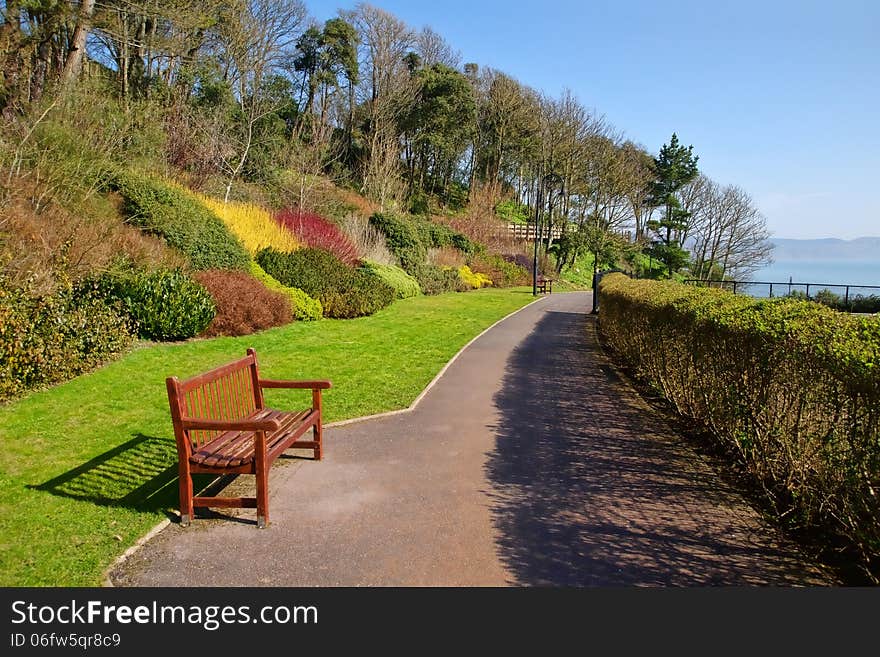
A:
[529,463]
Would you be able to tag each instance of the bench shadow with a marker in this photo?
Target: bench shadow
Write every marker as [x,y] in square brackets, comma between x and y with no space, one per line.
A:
[591,489]
[139,474]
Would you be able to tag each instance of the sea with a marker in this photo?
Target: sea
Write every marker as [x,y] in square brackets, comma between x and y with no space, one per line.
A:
[861,275]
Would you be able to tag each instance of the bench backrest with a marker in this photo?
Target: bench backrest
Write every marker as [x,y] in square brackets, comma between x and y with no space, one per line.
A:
[229,392]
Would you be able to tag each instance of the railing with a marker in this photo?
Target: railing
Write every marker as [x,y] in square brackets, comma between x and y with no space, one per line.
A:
[786,288]
[527,232]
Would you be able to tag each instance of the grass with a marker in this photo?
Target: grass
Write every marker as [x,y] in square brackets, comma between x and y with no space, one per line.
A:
[89,466]
[580,275]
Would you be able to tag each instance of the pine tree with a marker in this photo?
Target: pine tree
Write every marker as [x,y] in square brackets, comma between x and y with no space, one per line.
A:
[674,167]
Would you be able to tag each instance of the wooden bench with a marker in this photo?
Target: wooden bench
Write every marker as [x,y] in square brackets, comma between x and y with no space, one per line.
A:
[223,427]
[544,285]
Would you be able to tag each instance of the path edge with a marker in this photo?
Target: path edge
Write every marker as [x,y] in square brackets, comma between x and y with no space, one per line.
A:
[107,582]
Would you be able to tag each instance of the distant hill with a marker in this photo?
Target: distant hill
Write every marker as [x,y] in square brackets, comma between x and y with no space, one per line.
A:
[862,248]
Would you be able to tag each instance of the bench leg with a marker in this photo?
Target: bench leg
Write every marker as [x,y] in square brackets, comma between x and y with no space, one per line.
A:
[186,495]
[318,430]
[261,470]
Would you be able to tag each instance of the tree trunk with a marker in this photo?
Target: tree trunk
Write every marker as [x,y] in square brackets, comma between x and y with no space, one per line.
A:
[73,65]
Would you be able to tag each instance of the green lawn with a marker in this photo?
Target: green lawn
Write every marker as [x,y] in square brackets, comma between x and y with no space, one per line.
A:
[87,467]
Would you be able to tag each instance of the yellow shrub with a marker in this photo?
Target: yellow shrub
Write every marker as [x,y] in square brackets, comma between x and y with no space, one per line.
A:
[473,280]
[253,225]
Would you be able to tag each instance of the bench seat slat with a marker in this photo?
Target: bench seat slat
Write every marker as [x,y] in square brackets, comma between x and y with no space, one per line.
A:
[236,448]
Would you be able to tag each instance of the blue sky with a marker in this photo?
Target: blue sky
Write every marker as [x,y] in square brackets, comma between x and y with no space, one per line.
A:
[780,97]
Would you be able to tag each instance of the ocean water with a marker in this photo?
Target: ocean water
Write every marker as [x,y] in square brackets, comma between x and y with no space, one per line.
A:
[830,274]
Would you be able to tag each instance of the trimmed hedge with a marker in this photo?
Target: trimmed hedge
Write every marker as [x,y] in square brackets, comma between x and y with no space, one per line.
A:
[304,307]
[404,285]
[344,292]
[790,386]
[164,304]
[49,339]
[244,305]
[162,209]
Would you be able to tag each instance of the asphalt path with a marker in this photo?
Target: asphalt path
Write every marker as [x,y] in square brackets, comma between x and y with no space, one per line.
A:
[529,463]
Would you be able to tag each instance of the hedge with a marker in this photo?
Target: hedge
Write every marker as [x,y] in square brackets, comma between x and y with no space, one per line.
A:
[404,285]
[48,339]
[344,292]
[162,209]
[791,387]
[304,307]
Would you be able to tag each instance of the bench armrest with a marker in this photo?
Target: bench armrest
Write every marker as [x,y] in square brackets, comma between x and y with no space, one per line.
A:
[203,424]
[304,385]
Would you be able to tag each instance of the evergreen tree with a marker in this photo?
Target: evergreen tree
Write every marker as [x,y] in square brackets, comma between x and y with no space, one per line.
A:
[674,167]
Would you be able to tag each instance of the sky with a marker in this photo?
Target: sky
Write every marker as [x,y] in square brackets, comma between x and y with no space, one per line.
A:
[778,97]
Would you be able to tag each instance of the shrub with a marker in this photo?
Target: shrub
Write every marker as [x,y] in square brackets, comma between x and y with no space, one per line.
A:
[501,272]
[437,280]
[856,303]
[318,233]
[440,236]
[166,210]
[253,225]
[244,304]
[164,304]
[48,339]
[344,292]
[791,387]
[446,257]
[404,285]
[471,280]
[402,238]
[409,238]
[304,307]
[368,241]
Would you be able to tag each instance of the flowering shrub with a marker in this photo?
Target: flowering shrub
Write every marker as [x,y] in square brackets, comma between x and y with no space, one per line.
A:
[253,225]
[318,233]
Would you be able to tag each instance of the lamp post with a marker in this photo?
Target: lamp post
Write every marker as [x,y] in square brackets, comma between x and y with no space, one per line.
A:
[539,202]
[548,182]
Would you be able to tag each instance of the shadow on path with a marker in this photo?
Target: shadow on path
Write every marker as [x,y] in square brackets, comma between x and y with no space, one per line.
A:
[590,488]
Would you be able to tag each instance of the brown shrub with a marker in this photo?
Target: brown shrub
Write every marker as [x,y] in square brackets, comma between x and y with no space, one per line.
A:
[244,305]
[47,243]
[447,256]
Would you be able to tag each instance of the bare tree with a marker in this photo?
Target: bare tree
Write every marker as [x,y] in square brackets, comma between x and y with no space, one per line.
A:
[257,42]
[729,236]
[432,48]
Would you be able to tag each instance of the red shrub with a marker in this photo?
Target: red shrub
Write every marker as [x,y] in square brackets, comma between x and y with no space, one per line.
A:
[244,305]
[319,233]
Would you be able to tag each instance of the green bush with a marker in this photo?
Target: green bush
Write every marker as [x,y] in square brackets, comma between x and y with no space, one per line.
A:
[304,307]
[343,292]
[856,303]
[402,239]
[409,238]
[501,272]
[437,280]
[790,386]
[404,285]
[164,304]
[162,209]
[49,339]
